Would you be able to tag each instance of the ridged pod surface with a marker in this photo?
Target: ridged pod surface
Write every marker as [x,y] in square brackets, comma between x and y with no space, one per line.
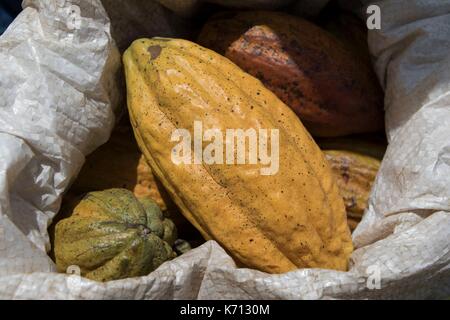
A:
[111,235]
[355,174]
[327,84]
[274,223]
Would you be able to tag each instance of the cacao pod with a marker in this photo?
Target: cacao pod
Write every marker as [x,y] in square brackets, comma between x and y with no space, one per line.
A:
[275,223]
[333,92]
[120,164]
[111,235]
[355,174]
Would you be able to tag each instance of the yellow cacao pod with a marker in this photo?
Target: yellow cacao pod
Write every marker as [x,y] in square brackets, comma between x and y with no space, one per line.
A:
[275,223]
[355,174]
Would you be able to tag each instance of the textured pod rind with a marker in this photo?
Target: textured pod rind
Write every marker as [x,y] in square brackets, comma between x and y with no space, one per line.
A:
[327,84]
[110,235]
[275,223]
[355,174]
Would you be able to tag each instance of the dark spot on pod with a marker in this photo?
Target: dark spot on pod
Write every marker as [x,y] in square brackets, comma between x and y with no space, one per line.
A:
[154,51]
[346,176]
[353,202]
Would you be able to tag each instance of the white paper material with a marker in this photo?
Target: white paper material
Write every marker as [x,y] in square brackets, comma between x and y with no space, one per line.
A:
[57,89]
[57,94]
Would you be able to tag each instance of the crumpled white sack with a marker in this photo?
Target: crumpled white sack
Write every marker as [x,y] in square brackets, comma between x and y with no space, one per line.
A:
[403,241]
[413,62]
[57,88]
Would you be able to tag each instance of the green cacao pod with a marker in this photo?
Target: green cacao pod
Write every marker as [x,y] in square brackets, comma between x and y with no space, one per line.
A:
[112,235]
[120,164]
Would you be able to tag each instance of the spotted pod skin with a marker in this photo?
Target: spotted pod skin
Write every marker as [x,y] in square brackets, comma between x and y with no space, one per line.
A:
[111,235]
[332,90]
[355,174]
[273,223]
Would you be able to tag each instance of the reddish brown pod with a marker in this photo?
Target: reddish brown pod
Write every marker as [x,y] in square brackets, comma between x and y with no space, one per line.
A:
[332,90]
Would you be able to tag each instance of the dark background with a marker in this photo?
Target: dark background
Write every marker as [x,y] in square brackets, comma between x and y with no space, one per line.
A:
[9,9]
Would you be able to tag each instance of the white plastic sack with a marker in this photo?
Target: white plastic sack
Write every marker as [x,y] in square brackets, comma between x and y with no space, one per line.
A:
[57,96]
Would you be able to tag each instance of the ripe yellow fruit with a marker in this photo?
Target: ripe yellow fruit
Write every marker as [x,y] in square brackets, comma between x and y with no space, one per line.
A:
[275,223]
